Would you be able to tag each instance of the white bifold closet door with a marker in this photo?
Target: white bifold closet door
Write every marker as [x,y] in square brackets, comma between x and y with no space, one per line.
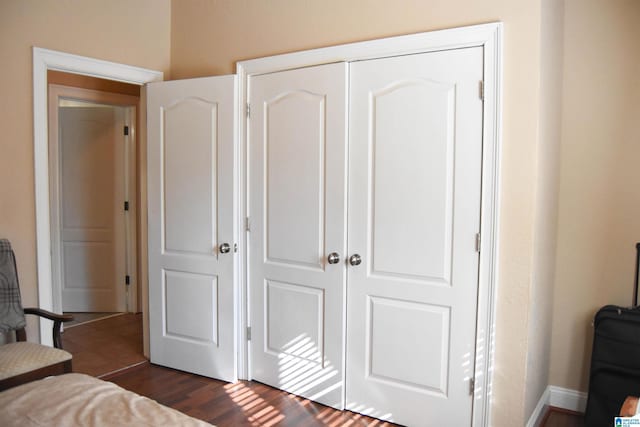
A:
[407,249]
[191,225]
[297,207]
[415,156]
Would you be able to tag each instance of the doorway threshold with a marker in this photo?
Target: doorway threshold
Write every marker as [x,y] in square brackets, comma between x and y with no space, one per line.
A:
[84,318]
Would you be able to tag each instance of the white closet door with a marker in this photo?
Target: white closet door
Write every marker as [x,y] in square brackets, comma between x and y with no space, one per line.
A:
[191,216]
[92,234]
[414,210]
[297,206]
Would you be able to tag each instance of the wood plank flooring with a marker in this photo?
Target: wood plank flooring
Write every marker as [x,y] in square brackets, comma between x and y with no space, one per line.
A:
[246,403]
[106,345]
[557,417]
[82,317]
[105,348]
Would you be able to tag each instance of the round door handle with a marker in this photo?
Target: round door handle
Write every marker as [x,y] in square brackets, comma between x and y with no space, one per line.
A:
[333,258]
[225,248]
[355,259]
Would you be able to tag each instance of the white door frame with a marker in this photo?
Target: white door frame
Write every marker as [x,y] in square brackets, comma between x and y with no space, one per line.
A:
[130,103]
[44,60]
[488,36]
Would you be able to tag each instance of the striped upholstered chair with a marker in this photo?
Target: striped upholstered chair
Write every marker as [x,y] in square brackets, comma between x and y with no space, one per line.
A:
[23,361]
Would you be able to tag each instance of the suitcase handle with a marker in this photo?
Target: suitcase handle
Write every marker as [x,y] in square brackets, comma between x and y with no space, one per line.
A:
[635,280]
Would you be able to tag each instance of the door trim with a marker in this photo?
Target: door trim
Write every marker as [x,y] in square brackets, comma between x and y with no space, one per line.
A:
[44,60]
[488,36]
[130,103]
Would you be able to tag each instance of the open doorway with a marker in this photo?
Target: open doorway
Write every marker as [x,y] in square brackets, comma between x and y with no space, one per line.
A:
[107,72]
[92,187]
[92,170]
[93,206]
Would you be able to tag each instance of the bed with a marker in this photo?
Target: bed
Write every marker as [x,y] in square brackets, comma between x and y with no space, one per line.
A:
[81,400]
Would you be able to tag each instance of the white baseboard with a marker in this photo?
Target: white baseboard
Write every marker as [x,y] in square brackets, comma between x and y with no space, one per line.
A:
[567,399]
[559,397]
[540,409]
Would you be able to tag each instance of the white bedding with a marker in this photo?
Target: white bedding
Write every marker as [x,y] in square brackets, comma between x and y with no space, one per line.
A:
[81,400]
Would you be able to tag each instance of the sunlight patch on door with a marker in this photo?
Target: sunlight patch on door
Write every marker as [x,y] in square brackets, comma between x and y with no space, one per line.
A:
[299,375]
[302,335]
[370,411]
[294,330]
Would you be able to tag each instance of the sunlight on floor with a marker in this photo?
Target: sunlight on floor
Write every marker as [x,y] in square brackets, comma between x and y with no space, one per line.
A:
[259,413]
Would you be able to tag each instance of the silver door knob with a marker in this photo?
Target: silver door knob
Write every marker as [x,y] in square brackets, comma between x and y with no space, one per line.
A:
[333,258]
[225,248]
[355,259]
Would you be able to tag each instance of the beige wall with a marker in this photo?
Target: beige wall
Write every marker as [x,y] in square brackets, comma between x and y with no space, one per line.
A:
[599,217]
[135,32]
[208,37]
[546,203]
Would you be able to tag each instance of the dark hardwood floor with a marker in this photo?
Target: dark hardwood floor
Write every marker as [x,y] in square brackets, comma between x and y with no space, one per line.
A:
[105,346]
[246,403]
[249,403]
[557,417]
[112,349]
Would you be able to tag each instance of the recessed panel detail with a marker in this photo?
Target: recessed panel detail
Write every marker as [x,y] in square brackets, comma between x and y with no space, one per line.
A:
[88,265]
[87,162]
[418,357]
[189,176]
[411,180]
[191,306]
[294,321]
[295,178]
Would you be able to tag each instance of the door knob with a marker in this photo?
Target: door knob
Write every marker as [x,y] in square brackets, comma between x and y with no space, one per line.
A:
[333,258]
[355,259]
[225,248]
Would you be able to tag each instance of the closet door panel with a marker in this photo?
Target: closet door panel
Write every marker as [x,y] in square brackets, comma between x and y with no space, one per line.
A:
[415,152]
[294,178]
[404,117]
[297,190]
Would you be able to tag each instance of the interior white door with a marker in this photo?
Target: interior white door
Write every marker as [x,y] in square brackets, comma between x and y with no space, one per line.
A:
[414,211]
[297,219]
[191,138]
[91,222]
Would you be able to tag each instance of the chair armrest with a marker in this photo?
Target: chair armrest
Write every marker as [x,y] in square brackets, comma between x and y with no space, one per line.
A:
[57,321]
[49,315]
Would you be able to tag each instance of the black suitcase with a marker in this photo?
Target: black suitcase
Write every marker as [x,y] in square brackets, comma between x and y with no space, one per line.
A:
[615,360]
